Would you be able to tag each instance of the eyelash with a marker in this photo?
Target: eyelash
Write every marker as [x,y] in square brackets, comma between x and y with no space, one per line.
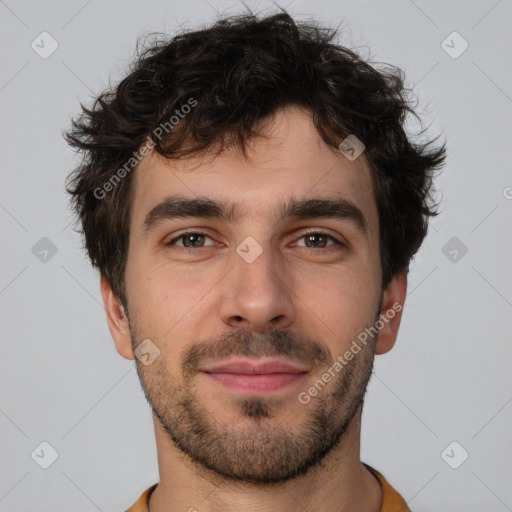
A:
[322,233]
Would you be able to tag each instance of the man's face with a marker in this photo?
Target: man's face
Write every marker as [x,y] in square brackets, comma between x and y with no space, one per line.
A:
[252,289]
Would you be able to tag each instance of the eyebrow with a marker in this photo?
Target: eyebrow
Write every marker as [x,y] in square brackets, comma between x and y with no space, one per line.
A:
[182,207]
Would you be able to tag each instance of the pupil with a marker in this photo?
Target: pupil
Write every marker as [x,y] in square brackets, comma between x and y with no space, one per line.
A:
[311,237]
[190,238]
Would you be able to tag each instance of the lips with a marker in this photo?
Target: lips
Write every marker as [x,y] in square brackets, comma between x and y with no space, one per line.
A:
[255,367]
[255,376]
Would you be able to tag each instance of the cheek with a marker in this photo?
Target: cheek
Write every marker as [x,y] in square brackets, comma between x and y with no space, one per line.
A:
[148,295]
[169,302]
[341,304]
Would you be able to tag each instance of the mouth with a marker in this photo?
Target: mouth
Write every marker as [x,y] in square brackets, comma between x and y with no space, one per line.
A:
[255,376]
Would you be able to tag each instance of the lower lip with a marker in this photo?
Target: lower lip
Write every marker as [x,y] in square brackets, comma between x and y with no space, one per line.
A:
[262,383]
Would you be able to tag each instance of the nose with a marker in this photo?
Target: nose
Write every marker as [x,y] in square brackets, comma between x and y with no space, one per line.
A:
[258,295]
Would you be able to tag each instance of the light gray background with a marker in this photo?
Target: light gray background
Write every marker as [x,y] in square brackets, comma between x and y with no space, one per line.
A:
[448,378]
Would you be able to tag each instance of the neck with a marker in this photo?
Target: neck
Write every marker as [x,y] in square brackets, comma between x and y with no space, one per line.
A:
[338,484]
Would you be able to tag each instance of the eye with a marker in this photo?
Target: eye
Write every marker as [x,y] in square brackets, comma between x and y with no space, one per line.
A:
[196,240]
[191,240]
[318,239]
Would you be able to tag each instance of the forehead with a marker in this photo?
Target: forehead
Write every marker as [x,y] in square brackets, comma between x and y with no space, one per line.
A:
[291,162]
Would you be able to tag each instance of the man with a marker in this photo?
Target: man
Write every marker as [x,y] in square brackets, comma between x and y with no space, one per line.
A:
[252,202]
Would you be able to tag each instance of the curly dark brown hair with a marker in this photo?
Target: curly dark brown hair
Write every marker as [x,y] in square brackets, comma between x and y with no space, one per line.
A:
[239,72]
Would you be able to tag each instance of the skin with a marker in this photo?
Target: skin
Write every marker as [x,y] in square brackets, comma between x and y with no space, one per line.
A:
[319,299]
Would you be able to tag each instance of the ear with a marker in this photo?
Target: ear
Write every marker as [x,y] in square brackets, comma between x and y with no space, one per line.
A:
[117,320]
[391,313]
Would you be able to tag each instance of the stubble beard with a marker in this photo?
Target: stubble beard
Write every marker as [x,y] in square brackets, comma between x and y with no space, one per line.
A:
[260,448]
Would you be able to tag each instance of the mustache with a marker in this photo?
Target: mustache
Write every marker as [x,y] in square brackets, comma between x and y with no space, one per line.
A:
[244,343]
